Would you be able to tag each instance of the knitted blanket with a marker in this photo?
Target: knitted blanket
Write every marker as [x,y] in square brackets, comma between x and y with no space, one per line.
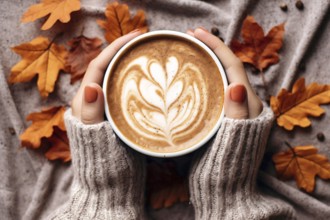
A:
[32,187]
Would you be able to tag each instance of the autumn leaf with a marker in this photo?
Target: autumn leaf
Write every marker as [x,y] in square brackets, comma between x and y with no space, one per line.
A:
[119,22]
[82,51]
[58,10]
[165,186]
[42,126]
[302,163]
[59,146]
[293,108]
[39,57]
[257,49]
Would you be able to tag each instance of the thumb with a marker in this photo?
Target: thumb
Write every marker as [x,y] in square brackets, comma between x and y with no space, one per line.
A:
[236,103]
[92,109]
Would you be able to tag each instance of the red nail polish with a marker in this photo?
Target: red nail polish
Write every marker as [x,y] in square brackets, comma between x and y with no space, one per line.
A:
[90,94]
[238,93]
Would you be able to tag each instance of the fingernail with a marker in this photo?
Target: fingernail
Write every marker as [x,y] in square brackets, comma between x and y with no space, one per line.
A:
[133,31]
[238,93]
[203,28]
[90,94]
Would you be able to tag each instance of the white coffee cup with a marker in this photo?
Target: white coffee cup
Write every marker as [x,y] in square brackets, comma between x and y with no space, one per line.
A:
[133,42]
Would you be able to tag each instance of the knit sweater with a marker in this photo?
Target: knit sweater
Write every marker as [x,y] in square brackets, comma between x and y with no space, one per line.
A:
[109,178]
[31,187]
[223,178]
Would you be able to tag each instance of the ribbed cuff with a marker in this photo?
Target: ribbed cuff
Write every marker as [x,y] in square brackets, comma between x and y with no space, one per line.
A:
[223,179]
[109,178]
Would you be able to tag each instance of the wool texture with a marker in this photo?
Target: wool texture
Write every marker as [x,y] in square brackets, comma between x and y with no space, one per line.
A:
[32,188]
[223,179]
[109,178]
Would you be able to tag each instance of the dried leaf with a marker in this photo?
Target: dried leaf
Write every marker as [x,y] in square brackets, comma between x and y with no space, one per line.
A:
[257,49]
[302,163]
[59,146]
[39,57]
[292,108]
[42,126]
[82,51]
[165,186]
[118,21]
[58,10]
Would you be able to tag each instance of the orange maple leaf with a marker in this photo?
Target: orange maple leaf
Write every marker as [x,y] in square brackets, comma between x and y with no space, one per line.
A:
[302,163]
[58,10]
[59,146]
[165,186]
[257,49]
[39,57]
[83,50]
[292,108]
[42,126]
[119,22]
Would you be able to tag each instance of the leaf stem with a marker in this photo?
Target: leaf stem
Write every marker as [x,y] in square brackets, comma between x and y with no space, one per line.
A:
[82,31]
[54,38]
[264,82]
[290,147]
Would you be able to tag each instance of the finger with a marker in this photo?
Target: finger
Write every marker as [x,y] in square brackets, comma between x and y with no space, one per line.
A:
[190,32]
[233,66]
[92,109]
[96,69]
[236,102]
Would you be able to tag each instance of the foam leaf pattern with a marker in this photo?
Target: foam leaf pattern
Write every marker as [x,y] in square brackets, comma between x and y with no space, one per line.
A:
[161,99]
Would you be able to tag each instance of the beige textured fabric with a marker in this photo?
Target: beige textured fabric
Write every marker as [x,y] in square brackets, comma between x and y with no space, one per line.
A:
[223,180]
[109,179]
[32,187]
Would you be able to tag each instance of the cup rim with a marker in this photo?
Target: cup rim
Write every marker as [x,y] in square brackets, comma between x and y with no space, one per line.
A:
[105,84]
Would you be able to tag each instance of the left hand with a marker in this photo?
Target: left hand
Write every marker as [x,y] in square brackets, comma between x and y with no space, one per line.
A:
[88,103]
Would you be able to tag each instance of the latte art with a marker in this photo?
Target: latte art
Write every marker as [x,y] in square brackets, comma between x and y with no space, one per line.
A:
[165,94]
[162,104]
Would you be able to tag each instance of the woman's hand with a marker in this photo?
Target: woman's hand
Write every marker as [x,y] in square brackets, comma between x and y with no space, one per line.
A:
[88,104]
[241,102]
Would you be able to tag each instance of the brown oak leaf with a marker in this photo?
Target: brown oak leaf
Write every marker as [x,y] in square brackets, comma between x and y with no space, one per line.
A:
[302,163]
[42,126]
[82,51]
[39,57]
[119,22]
[257,49]
[165,186]
[292,108]
[58,10]
[59,146]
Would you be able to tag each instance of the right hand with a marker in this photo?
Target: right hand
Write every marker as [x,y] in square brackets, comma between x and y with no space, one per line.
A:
[241,102]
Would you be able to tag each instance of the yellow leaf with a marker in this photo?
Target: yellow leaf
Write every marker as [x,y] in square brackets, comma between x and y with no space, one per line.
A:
[118,21]
[58,10]
[42,126]
[292,108]
[302,163]
[39,57]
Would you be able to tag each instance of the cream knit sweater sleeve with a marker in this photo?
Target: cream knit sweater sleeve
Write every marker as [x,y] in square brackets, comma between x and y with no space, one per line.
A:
[223,178]
[109,178]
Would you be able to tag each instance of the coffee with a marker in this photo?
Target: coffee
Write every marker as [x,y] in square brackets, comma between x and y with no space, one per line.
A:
[165,94]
